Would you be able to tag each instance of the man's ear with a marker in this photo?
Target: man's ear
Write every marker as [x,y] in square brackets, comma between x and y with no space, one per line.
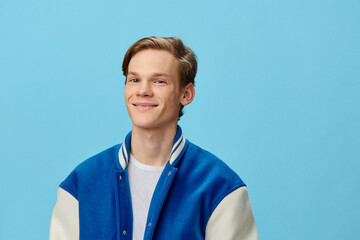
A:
[188,94]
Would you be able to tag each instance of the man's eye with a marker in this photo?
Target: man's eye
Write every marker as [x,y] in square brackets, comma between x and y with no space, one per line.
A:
[159,81]
[133,80]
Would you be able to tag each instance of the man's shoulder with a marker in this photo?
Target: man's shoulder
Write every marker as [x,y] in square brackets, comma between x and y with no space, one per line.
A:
[205,161]
[88,172]
[212,178]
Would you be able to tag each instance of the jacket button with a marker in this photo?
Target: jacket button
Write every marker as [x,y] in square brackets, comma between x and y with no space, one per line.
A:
[124,232]
[149,225]
[120,177]
[169,173]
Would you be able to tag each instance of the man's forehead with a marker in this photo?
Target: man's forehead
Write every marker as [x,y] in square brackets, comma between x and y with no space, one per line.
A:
[154,62]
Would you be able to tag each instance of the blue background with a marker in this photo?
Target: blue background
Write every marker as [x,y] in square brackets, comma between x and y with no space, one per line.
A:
[277,98]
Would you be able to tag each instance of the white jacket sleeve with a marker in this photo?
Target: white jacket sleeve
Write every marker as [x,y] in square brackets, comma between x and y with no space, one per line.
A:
[233,218]
[65,218]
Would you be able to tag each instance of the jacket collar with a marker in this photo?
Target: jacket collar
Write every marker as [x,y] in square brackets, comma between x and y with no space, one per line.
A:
[178,148]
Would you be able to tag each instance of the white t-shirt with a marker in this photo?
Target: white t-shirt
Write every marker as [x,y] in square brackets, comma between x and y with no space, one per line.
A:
[142,179]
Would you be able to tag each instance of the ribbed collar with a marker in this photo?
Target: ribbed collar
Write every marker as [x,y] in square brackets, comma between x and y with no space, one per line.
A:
[176,152]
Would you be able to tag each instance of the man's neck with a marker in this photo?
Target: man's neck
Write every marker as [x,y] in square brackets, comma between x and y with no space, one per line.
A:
[152,146]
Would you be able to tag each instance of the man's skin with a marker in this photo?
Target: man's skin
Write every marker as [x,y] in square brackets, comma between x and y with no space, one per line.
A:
[153,97]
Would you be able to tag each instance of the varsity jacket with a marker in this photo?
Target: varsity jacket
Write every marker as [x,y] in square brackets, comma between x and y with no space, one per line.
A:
[197,197]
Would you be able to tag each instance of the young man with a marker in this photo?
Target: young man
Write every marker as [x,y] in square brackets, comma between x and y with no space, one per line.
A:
[156,184]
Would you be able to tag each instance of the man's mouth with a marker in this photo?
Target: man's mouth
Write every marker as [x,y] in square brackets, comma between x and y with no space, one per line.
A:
[144,106]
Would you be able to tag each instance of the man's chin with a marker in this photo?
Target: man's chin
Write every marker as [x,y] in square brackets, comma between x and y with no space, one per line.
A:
[144,125]
[153,125]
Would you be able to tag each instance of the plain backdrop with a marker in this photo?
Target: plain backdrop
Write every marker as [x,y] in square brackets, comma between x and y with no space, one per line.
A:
[277,98]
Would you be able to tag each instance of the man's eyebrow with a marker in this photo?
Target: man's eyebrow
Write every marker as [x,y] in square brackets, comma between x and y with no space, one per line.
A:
[160,75]
[133,73]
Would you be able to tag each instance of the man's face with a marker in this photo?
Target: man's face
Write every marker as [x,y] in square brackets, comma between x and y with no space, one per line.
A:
[152,90]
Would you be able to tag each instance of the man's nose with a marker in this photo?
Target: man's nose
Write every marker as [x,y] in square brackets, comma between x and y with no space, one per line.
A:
[145,89]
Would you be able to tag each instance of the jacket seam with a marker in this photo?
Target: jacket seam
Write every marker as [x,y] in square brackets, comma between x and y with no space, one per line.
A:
[219,199]
[67,188]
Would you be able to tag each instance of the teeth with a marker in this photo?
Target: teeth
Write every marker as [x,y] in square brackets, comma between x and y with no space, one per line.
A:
[140,105]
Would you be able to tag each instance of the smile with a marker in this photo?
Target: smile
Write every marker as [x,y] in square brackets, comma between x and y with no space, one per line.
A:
[144,106]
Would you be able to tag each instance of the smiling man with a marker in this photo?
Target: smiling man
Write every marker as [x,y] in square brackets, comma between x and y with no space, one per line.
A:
[156,184]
